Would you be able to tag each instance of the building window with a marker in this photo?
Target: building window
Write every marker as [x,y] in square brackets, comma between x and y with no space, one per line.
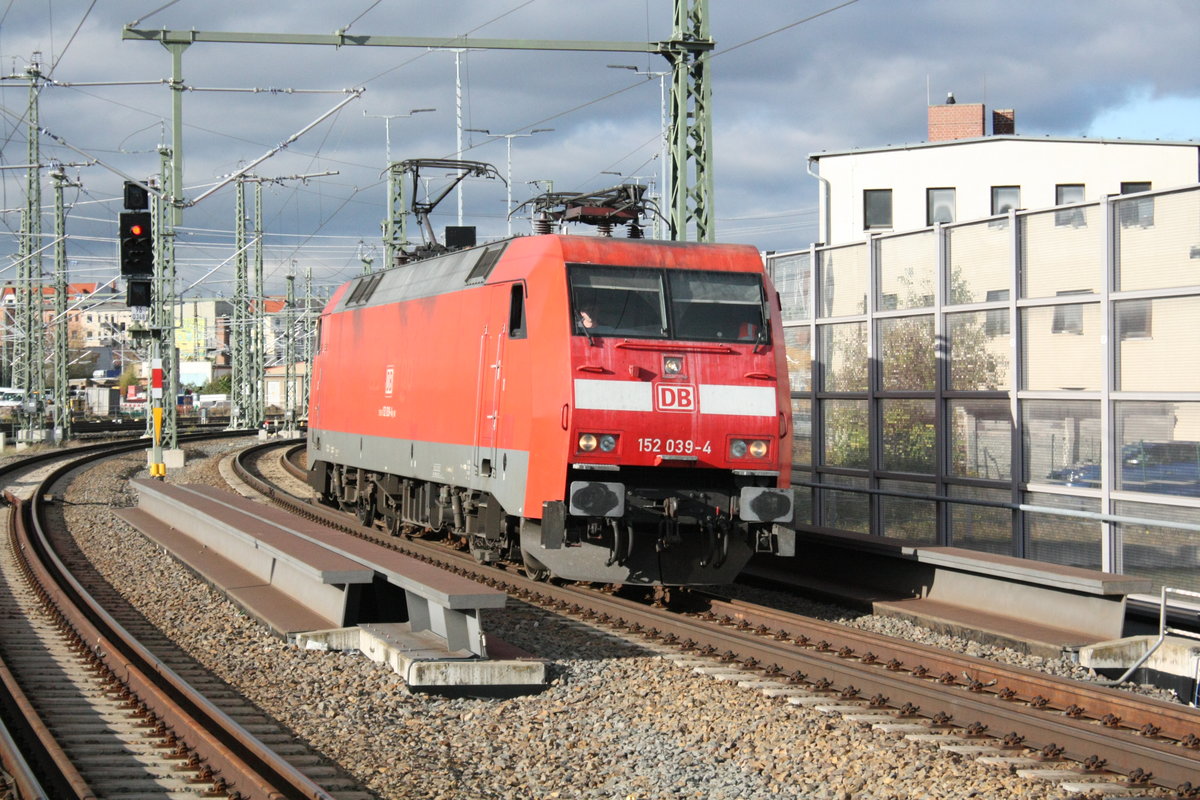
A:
[1133,319]
[1069,319]
[1005,199]
[996,323]
[1138,212]
[1065,194]
[877,208]
[939,206]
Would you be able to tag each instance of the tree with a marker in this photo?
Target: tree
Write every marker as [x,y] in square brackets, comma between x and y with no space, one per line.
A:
[907,356]
[221,384]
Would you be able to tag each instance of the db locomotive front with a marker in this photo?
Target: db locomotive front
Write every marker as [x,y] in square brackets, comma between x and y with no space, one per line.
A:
[593,408]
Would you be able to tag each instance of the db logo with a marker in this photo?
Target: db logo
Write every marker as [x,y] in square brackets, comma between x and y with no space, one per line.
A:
[674,397]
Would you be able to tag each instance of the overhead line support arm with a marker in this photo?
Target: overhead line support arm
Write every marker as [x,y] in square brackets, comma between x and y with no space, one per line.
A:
[691,180]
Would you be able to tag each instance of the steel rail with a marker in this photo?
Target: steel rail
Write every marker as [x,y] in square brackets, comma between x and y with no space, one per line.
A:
[234,757]
[1048,723]
[21,721]
[290,462]
[1125,752]
[25,462]
[1114,708]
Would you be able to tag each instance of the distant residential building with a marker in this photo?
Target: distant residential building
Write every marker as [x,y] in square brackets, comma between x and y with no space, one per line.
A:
[278,397]
[200,330]
[962,173]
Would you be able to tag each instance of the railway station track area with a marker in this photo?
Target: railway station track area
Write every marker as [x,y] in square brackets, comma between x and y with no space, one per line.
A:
[1107,735]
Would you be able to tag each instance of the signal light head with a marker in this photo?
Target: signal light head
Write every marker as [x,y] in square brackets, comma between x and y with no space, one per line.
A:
[136,243]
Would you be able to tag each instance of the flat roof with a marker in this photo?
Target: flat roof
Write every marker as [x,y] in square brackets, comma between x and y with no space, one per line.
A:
[1002,138]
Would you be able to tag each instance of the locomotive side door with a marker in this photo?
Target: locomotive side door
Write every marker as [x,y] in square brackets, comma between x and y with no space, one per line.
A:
[490,383]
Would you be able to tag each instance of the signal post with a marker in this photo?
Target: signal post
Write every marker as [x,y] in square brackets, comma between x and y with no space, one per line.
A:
[137,257]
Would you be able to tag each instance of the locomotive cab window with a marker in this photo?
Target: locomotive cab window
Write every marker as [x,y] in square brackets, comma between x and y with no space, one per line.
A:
[516,311]
[717,306]
[618,301]
[693,305]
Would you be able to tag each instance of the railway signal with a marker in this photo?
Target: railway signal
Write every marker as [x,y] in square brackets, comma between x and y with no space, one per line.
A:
[136,197]
[137,292]
[137,243]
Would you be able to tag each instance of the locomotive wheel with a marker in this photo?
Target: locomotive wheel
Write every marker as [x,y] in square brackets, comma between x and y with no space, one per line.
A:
[534,569]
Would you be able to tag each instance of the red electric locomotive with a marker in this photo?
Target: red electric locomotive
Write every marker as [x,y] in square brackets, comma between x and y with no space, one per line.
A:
[600,409]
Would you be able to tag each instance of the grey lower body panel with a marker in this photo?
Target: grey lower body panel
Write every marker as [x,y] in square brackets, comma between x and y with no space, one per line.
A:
[604,531]
[500,472]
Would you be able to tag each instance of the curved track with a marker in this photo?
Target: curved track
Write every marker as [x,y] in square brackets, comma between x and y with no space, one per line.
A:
[111,716]
[1106,732]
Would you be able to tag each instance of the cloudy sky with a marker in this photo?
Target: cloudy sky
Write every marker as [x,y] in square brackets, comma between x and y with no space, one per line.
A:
[858,76]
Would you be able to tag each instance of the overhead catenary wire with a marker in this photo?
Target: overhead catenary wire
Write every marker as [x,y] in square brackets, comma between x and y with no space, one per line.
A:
[74,33]
[780,29]
[329,216]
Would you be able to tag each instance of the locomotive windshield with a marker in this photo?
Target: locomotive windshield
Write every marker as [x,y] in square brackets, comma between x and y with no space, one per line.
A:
[667,304]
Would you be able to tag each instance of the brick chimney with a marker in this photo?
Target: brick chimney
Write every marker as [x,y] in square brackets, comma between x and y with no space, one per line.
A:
[1004,122]
[955,120]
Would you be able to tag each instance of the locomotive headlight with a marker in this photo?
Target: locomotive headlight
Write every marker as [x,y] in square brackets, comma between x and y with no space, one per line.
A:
[753,448]
[672,365]
[587,442]
[608,442]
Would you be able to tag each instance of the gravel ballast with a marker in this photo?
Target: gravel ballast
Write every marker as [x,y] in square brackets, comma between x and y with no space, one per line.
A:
[616,721]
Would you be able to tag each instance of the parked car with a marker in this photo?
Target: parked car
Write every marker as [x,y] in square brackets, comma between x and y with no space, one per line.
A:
[1158,467]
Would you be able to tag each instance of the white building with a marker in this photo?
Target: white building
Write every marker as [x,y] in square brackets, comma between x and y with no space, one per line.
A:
[971,176]
[1026,384]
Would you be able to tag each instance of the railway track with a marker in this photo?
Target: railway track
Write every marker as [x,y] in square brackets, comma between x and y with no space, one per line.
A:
[1086,730]
[102,704]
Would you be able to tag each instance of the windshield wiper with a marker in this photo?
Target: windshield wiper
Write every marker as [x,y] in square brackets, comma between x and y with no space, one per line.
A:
[760,338]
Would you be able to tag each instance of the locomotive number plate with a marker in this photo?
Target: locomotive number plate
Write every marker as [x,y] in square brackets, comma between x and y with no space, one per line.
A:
[682,447]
